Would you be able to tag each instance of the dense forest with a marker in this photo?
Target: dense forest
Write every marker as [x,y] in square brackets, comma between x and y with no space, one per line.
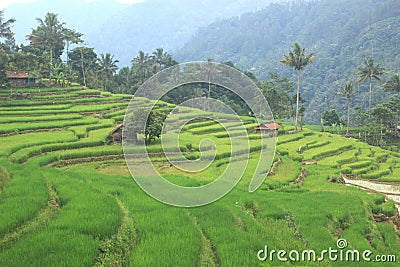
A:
[341,33]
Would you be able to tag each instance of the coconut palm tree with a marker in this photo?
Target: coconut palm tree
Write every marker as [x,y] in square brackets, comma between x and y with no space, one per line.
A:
[160,57]
[49,33]
[369,71]
[107,67]
[142,65]
[348,92]
[298,59]
[5,31]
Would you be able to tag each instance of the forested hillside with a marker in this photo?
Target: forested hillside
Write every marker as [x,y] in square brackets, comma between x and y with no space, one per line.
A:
[341,33]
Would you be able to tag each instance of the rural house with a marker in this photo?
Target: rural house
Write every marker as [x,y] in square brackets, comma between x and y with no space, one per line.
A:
[20,77]
[270,128]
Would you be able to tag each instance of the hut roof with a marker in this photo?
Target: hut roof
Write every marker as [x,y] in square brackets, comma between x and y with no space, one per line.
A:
[19,74]
[116,129]
[269,126]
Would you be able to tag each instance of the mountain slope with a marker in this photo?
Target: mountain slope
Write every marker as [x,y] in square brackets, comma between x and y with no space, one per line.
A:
[340,33]
[157,23]
[122,29]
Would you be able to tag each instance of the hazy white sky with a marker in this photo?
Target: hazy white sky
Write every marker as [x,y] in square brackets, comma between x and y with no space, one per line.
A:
[7,3]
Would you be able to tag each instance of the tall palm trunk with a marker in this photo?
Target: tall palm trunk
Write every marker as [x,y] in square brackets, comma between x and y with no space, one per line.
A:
[297,99]
[51,63]
[348,117]
[370,92]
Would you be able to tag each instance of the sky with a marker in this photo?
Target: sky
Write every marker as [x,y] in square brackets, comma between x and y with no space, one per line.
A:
[7,3]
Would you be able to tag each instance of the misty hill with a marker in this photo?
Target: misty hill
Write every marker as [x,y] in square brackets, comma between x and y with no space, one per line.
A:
[122,29]
[341,33]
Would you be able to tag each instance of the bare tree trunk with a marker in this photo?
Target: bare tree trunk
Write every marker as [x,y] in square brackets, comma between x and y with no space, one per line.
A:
[297,99]
[83,69]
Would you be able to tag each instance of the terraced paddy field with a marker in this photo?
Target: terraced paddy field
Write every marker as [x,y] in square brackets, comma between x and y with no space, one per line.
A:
[67,197]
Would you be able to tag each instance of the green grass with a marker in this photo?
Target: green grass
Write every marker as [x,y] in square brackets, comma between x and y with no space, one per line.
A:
[14,143]
[32,108]
[40,118]
[96,138]
[90,227]
[23,196]
[17,127]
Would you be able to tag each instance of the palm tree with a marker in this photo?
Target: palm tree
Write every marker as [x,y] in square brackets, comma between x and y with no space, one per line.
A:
[348,92]
[108,67]
[49,33]
[72,36]
[5,31]
[298,59]
[141,64]
[369,71]
[160,57]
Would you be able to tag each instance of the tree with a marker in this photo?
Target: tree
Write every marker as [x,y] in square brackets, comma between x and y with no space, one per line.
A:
[382,116]
[50,34]
[348,92]
[298,59]
[83,59]
[107,67]
[393,85]
[72,36]
[160,57]
[125,80]
[5,26]
[154,126]
[142,65]
[5,32]
[136,119]
[276,90]
[330,117]
[370,71]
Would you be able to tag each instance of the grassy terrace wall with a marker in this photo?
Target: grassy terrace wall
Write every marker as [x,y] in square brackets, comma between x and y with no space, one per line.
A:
[67,198]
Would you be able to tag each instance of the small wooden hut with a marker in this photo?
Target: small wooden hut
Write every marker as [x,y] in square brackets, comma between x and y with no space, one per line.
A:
[270,128]
[20,77]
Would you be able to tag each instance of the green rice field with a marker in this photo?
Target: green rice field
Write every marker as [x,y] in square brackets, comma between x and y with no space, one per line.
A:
[68,199]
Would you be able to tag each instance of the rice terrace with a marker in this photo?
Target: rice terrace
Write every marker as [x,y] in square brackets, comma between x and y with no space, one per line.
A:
[67,196]
[311,135]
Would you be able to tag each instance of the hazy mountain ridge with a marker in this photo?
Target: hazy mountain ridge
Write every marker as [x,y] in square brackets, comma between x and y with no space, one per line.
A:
[168,24]
[122,29]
